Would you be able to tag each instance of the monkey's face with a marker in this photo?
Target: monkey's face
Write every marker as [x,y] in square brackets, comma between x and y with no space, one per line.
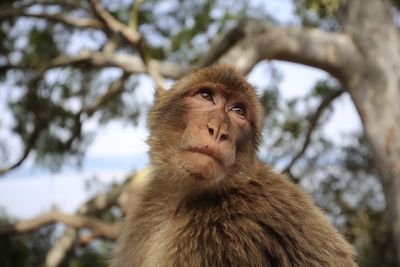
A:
[217,123]
[206,126]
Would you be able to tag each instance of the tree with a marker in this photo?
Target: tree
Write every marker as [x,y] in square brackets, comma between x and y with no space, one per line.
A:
[355,41]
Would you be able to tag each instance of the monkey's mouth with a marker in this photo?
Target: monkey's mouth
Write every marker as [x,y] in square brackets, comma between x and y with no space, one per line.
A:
[210,152]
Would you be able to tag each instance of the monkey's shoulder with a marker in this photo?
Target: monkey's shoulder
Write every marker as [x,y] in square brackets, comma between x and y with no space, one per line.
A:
[291,221]
[269,188]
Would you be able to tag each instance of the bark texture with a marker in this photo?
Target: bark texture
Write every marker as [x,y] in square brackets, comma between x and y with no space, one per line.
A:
[375,89]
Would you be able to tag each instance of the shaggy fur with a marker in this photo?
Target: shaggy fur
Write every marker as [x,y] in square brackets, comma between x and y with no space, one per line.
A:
[252,217]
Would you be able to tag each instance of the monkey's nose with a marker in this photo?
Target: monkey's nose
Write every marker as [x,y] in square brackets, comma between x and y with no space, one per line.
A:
[217,133]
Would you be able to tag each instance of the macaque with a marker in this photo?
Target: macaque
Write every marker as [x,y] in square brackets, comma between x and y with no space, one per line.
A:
[209,200]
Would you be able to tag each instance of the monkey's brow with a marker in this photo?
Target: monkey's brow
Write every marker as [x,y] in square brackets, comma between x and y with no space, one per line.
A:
[207,84]
[227,90]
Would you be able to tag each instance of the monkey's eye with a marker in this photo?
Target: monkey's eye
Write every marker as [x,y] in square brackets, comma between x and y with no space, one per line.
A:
[239,110]
[207,94]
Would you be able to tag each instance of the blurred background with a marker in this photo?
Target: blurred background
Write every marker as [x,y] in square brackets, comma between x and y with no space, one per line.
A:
[77,79]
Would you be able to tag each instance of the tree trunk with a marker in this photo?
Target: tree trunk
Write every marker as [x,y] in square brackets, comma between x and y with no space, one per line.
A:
[375,90]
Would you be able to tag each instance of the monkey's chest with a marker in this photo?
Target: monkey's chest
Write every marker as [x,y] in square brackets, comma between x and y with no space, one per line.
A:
[204,241]
[156,247]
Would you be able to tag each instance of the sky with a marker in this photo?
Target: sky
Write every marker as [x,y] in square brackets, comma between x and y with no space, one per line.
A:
[118,148]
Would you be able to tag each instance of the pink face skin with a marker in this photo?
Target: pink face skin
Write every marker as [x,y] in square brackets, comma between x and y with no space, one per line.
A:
[216,120]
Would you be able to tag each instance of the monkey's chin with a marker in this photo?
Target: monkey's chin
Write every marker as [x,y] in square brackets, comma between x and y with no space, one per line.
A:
[202,167]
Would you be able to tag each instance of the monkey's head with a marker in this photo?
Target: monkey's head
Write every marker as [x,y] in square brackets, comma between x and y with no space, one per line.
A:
[207,126]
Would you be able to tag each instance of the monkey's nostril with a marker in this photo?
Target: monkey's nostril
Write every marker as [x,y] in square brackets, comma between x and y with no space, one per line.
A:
[210,131]
[223,137]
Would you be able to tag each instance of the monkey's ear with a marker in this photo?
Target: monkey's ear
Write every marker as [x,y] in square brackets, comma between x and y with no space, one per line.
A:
[159,92]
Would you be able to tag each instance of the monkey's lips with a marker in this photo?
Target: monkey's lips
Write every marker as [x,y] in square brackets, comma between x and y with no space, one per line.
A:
[208,151]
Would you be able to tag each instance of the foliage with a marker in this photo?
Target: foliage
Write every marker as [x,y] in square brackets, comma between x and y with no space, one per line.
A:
[24,250]
[316,13]
[94,255]
[323,8]
[50,107]
[29,250]
[351,193]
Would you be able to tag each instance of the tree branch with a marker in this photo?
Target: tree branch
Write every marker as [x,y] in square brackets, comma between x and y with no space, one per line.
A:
[128,63]
[75,22]
[228,40]
[27,149]
[60,249]
[132,35]
[76,221]
[70,236]
[333,52]
[114,89]
[313,124]
[124,197]
[133,20]
[71,5]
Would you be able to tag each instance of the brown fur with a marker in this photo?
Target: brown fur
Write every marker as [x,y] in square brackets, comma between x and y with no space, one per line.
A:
[238,213]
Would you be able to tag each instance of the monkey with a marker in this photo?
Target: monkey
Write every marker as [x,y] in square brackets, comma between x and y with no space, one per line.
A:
[210,200]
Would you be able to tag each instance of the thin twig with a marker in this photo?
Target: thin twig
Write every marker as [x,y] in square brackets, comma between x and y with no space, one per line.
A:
[313,123]
[114,89]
